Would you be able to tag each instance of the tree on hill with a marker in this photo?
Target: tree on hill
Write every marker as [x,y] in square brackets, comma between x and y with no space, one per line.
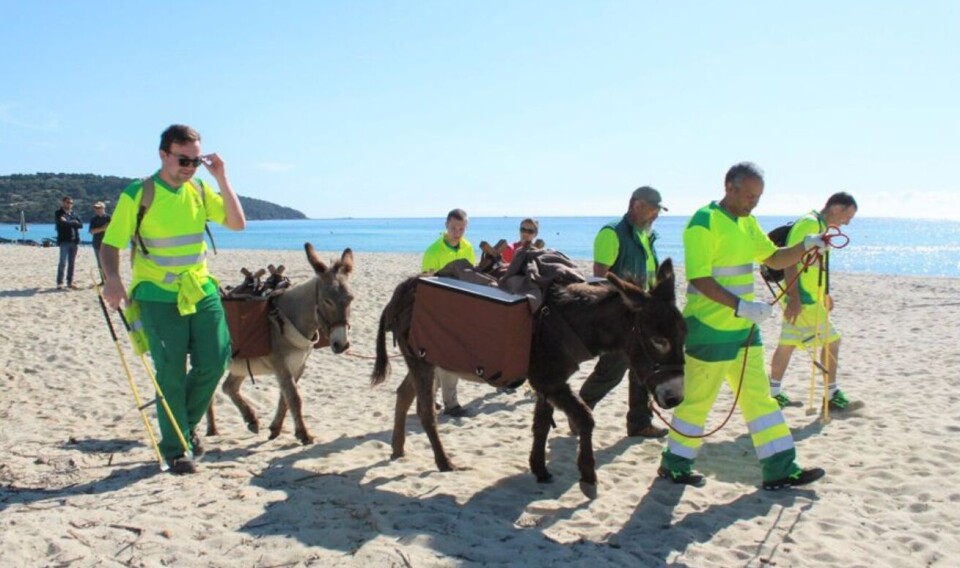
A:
[38,196]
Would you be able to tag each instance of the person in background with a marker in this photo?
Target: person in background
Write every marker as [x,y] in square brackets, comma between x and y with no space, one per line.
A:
[452,245]
[626,248]
[529,228]
[809,302]
[97,227]
[68,239]
[721,242]
[177,298]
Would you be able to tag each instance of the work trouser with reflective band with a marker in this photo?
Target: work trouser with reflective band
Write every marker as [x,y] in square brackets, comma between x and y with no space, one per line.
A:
[205,338]
[771,437]
[803,331]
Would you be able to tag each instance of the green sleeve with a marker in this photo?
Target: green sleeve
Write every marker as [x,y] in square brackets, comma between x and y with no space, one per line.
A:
[124,220]
[213,202]
[803,227]
[606,247]
[697,251]
[763,247]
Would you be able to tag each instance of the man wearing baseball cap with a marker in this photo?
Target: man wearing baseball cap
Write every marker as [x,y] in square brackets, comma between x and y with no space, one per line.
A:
[98,226]
[626,248]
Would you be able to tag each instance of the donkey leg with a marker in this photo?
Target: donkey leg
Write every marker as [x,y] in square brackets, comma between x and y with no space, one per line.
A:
[231,387]
[423,377]
[295,403]
[579,414]
[542,419]
[406,392]
[212,419]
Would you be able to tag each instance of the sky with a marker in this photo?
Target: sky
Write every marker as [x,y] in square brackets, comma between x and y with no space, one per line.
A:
[502,108]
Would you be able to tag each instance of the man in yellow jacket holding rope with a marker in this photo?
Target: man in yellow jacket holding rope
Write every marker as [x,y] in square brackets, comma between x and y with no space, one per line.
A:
[721,243]
[806,321]
[177,298]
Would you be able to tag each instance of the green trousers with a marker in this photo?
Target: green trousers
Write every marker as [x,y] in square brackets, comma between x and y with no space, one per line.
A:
[608,373]
[203,337]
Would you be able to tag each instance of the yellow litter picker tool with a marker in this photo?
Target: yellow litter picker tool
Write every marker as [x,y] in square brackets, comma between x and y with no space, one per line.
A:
[141,406]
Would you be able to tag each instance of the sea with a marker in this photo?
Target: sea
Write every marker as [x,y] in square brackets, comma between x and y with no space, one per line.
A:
[917,247]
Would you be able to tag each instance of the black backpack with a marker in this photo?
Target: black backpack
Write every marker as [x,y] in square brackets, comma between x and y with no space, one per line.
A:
[779,238]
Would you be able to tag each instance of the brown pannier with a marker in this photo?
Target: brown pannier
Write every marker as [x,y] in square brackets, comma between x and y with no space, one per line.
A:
[248,318]
[472,329]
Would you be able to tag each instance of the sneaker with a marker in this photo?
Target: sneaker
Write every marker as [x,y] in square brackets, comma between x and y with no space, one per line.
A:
[648,431]
[181,464]
[783,400]
[457,412]
[682,477]
[795,479]
[839,401]
[196,444]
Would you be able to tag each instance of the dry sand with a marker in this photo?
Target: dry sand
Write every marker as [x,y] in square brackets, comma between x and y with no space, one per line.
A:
[79,485]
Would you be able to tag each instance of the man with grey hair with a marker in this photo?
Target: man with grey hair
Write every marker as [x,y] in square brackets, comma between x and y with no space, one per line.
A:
[626,248]
[721,243]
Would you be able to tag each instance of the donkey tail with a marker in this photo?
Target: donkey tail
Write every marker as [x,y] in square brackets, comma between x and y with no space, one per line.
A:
[381,367]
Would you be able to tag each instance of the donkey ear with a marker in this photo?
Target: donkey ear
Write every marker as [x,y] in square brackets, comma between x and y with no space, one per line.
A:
[314,259]
[632,294]
[346,261]
[666,282]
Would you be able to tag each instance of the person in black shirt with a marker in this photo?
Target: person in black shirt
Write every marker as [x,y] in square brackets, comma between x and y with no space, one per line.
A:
[97,226]
[68,239]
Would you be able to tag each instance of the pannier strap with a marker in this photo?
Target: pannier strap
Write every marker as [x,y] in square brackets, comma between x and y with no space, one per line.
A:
[289,332]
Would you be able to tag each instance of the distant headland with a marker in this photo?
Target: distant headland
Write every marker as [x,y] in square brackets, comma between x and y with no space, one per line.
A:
[38,196]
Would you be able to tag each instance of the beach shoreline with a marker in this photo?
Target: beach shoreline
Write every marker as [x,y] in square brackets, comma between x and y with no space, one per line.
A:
[79,483]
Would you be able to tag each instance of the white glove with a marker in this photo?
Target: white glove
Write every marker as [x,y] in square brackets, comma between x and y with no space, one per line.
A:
[754,311]
[814,242]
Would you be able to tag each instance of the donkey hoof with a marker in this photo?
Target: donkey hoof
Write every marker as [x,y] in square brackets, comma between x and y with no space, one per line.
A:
[273,434]
[589,489]
[253,427]
[396,455]
[305,439]
[212,431]
[545,478]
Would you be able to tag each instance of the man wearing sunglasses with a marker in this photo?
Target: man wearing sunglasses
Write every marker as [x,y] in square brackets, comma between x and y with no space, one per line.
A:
[625,247]
[175,295]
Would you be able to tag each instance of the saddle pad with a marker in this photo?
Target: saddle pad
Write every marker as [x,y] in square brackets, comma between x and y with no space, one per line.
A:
[472,329]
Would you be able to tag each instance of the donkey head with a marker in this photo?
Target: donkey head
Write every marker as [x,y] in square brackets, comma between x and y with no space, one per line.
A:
[333,297]
[655,344]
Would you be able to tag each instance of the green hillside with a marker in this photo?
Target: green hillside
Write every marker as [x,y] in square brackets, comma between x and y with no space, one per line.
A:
[38,196]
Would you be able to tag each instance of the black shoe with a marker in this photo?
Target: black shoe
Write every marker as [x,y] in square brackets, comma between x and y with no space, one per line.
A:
[196,444]
[457,412]
[801,477]
[682,477]
[648,431]
[181,464]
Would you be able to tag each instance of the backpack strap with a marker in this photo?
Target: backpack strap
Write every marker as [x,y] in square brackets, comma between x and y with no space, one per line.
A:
[146,200]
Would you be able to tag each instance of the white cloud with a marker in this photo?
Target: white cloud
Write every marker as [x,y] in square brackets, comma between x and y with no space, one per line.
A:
[275,167]
[9,115]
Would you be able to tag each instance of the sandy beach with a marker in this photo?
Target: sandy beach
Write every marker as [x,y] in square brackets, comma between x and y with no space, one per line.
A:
[80,486]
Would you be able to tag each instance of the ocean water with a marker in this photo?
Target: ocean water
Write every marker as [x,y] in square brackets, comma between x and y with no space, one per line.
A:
[877,245]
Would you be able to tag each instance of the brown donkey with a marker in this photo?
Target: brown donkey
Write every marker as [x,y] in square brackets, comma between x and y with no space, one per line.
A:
[576,323]
[319,306]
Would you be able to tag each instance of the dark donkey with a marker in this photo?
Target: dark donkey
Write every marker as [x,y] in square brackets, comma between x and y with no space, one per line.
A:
[319,306]
[616,315]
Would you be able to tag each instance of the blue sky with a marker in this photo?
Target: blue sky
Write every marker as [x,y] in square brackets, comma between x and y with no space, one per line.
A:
[408,109]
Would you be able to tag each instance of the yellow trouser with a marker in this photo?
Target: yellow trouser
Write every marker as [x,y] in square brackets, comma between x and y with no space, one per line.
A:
[771,436]
[803,331]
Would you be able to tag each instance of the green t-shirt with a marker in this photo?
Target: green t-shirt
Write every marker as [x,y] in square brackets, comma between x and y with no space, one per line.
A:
[809,282]
[173,212]
[716,244]
[440,254]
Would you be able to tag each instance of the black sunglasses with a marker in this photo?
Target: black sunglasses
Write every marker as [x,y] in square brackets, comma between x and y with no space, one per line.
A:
[188,162]
[527,230]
